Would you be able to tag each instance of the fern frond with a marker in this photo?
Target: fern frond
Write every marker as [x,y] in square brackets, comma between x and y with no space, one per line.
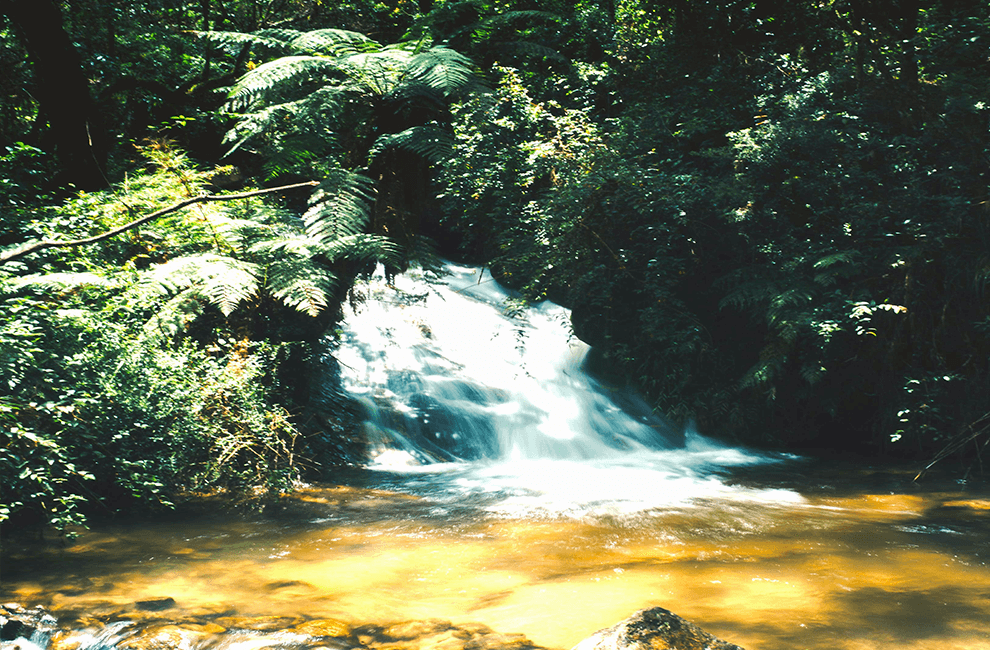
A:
[301,285]
[334,42]
[361,247]
[277,76]
[432,142]
[841,257]
[751,294]
[442,69]
[812,373]
[377,73]
[844,264]
[175,316]
[340,206]
[66,281]
[223,281]
[268,41]
[227,282]
[306,115]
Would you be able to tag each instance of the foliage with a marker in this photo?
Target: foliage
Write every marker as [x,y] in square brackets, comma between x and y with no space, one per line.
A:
[154,365]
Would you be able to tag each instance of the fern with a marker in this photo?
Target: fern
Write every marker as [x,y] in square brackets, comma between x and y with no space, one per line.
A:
[441,69]
[279,76]
[431,142]
[65,281]
[339,207]
[301,285]
[223,281]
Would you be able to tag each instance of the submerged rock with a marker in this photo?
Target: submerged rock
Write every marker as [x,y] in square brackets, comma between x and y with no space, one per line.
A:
[654,629]
[27,627]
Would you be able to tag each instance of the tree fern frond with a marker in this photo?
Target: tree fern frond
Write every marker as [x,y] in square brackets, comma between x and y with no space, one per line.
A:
[269,41]
[223,281]
[844,264]
[65,281]
[750,294]
[175,316]
[841,257]
[227,282]
[290,244]
[360,247]
[287,71]
[340,206]
[377,73]
[443,69]
[432,142]
[334,42]
[812,372]
[301,285]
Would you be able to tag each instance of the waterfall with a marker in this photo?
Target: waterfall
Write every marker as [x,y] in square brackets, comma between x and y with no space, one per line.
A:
[474,393]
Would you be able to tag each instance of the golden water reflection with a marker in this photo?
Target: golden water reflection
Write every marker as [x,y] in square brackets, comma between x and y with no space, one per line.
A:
[839,572]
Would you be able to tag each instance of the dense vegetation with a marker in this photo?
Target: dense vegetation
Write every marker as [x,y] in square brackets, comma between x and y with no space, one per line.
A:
[769,216]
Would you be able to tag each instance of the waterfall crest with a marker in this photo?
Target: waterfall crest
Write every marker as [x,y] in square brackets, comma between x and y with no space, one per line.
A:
[457,378]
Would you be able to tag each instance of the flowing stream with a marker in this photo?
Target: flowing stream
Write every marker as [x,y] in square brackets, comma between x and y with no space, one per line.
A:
[505,487]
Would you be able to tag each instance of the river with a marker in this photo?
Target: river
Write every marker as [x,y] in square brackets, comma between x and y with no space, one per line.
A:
[506,487]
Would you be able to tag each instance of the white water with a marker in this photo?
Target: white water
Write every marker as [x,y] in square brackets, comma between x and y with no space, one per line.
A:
[469,399]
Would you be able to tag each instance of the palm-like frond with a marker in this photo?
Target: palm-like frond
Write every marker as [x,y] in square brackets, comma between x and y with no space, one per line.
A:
[340,206]
[65,281]
[300,284]
[223,281]
[280,41]
[334,42]
[429,141]
[278,76]
[442,69]
[175,316]
[361,247]
[377,73]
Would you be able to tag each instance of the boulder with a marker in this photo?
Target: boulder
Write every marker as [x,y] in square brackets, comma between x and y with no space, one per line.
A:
[654,629]
[35,626]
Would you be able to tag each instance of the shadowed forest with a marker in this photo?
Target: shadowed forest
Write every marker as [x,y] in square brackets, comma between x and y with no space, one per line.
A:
[771,218]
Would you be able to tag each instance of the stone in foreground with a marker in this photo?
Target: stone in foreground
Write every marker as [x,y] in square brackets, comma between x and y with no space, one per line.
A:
[654,629]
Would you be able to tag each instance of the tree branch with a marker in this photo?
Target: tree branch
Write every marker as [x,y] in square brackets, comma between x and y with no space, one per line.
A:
[37,245]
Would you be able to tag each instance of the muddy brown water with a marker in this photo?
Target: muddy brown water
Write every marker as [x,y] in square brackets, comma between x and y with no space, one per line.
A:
[864,559]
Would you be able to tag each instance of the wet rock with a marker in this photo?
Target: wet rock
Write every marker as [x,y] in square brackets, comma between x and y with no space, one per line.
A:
[34,626]
[654,629]
[439,635]
[155,604]
[258,623]
[322,628]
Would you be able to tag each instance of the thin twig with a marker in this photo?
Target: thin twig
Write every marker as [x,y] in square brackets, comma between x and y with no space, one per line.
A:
[37,245]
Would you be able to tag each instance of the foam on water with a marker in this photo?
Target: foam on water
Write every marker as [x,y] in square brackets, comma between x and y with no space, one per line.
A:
[474,398]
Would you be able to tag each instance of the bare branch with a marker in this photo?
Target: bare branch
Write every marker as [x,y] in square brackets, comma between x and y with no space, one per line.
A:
[37,245]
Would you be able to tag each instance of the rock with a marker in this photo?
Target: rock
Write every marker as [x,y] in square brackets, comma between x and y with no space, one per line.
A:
[35,626]
[259,623]
[155,605]
[654,629]
[326,627]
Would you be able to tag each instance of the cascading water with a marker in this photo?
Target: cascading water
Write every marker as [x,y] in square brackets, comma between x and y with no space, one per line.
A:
[467,395]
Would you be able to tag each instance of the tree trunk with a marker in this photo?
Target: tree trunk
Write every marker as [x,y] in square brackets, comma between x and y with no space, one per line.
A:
[62,91]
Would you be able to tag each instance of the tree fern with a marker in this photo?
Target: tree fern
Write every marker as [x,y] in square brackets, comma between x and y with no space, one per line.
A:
[225,282]
[431,142]
[441,69]
[301,285]
[280,75]
[340,206]
[62,281]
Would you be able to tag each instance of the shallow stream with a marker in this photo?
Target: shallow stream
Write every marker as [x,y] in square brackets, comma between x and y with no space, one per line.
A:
[506,487]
